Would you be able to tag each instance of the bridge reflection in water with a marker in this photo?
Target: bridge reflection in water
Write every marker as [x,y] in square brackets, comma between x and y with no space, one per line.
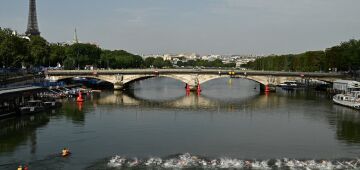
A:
[343,120]
[192,101]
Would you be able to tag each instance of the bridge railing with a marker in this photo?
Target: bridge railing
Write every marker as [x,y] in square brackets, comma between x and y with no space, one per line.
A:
[192,71]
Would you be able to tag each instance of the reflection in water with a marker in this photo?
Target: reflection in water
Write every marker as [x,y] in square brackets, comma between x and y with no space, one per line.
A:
[73,112]
[17,131]
[192,101]
[347,124]
[169,93]
[346,120]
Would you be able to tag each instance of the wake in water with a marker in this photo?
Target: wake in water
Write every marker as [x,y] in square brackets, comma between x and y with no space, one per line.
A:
[190,161]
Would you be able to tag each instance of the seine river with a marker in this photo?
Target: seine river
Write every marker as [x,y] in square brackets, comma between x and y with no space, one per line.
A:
[155,125]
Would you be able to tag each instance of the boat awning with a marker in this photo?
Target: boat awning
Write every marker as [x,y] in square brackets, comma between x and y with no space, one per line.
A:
[10,93]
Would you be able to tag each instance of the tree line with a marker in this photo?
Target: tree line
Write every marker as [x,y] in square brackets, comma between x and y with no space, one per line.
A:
[343,57]
[35,51]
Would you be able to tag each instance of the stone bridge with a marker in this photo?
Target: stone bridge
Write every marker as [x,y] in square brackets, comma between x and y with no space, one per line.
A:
[192,77]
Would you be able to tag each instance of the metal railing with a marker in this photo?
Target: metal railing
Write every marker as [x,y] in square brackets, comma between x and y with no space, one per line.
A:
[192,71]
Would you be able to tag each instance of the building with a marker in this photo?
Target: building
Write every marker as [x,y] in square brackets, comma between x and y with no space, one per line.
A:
[243,61]
[167,57]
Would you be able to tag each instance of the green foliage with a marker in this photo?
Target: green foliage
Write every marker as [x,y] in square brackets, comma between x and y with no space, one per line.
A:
[13,50]
[159,62]
[16,51]
[57,54]
[344,57]
[69,64]
[120,59]
[39,51]
[148,62]
[83,54]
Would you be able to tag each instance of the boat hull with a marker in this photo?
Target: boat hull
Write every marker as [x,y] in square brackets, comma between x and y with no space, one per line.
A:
[354,105]
[30,110]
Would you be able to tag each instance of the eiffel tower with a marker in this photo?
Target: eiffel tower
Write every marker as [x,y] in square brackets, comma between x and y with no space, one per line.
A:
[32,27]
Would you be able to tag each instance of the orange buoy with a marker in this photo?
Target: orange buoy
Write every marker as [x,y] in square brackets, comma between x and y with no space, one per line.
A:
[79,98]
[80,105]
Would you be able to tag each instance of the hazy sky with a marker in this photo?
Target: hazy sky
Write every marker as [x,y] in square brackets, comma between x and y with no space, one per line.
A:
[201,26]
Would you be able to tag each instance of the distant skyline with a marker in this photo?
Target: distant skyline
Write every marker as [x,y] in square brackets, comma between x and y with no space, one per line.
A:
[199,26]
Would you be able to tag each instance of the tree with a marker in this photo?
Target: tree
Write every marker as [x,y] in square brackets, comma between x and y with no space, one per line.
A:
[159,62]
[120,59]
[180,63]
[8,51]
[13,50]
[57,54]
[84,54]
[149,61]
[39,51]
[167,64]
[69,63]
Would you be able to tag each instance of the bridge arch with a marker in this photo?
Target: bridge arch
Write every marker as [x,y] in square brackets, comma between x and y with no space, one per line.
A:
[261,81]
[128,80]
[120,81]
[103,78]
[183,78]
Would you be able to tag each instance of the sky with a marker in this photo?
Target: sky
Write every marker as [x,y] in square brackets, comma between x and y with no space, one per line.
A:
[259,27]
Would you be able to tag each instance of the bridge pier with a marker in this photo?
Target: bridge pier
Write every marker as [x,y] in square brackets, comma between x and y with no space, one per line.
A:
[193,87]
[271,88]
[118,86]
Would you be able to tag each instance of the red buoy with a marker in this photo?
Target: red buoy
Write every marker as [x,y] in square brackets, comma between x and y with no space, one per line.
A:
[267,89]
[187,88]
[79,98]
[198,88]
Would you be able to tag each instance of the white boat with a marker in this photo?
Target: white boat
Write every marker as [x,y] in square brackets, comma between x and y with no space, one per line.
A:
[351,99]
[32,106]
[52,104]
[289,85]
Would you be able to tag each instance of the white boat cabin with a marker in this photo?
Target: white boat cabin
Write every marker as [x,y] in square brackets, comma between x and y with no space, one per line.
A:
[345,86]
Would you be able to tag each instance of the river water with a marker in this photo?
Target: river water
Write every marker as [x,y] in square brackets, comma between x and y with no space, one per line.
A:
[155,125]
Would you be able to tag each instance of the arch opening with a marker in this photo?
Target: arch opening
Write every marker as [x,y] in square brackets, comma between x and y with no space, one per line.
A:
[128,82]
[246,78]
[88,81]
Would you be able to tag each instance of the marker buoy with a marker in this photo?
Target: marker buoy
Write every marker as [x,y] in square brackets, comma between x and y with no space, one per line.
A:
[79,98]
[267,89]
[187,88]
[198,89]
